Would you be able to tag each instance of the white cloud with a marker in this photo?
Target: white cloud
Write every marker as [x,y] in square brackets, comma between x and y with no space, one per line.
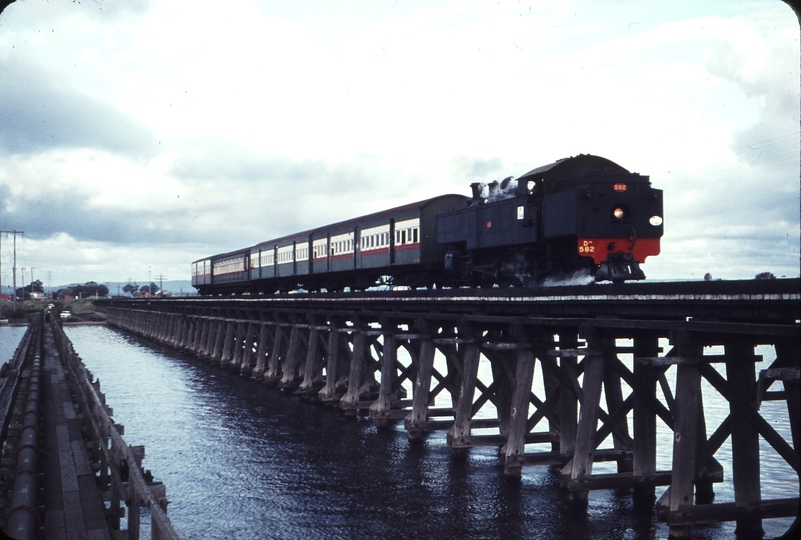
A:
[82,261]
[195,123]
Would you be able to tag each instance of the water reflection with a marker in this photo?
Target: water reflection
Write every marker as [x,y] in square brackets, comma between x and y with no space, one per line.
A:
[240,460]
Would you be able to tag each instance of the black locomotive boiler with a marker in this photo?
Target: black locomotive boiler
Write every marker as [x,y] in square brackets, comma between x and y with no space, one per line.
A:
[580,216]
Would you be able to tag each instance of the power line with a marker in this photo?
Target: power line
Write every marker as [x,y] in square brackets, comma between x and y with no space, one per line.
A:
[14,273]
[161,277]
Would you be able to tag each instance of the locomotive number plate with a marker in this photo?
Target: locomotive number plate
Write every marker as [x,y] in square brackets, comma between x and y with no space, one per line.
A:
[586,246]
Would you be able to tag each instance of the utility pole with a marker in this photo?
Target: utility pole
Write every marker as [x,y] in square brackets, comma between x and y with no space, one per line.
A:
[161,277]
[15,269]
[149,283]
[14,272]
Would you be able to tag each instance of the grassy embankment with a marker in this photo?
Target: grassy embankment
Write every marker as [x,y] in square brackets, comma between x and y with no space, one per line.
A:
[82,310]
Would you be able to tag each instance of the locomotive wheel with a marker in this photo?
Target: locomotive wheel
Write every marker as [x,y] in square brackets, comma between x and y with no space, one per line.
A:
[581,265]
[334,287]
[506,281]
[585,263]
[554,271]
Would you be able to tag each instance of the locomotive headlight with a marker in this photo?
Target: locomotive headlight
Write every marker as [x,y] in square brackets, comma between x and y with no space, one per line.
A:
[619,212]
[656,221]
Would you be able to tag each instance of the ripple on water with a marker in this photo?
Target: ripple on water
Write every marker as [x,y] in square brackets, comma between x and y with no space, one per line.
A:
[240,460]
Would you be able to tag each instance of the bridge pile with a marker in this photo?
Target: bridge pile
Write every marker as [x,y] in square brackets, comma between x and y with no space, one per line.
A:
[63,456]
[572,377]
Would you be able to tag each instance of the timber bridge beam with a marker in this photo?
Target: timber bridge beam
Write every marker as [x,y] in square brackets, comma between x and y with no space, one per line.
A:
[571,376]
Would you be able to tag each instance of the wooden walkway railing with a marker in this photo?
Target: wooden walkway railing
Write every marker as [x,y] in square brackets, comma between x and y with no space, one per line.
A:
[120,465]
[48,399]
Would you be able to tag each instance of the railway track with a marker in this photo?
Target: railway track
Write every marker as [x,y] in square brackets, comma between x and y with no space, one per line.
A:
[747,300]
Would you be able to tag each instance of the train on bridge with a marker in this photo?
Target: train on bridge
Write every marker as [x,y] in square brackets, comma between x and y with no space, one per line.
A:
[583,215]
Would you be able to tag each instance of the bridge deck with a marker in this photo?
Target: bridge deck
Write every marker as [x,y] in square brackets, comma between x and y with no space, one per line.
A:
[73,506]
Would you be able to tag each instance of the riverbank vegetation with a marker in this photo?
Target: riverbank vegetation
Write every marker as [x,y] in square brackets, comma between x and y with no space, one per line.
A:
[79,309]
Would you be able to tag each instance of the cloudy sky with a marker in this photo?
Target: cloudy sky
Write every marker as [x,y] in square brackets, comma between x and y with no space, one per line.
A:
[138,135]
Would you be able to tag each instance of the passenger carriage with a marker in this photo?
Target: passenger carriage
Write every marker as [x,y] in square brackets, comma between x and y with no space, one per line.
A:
[397,246]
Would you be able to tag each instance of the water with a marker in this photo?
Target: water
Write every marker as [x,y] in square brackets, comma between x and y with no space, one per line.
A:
[10,336]
[241,460]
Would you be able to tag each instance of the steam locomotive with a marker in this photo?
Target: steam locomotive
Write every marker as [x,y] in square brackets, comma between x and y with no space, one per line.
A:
[579,216]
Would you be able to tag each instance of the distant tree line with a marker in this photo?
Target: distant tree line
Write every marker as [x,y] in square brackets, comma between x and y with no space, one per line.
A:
[88,289]
[135,290]
[761,275]
[25,292]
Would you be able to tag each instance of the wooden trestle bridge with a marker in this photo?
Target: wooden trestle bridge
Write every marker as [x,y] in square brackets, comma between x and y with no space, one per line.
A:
[615,362]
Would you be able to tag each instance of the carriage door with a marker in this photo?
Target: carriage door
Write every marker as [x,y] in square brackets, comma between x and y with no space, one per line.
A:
[357,248]
[392,241]
[328,252]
